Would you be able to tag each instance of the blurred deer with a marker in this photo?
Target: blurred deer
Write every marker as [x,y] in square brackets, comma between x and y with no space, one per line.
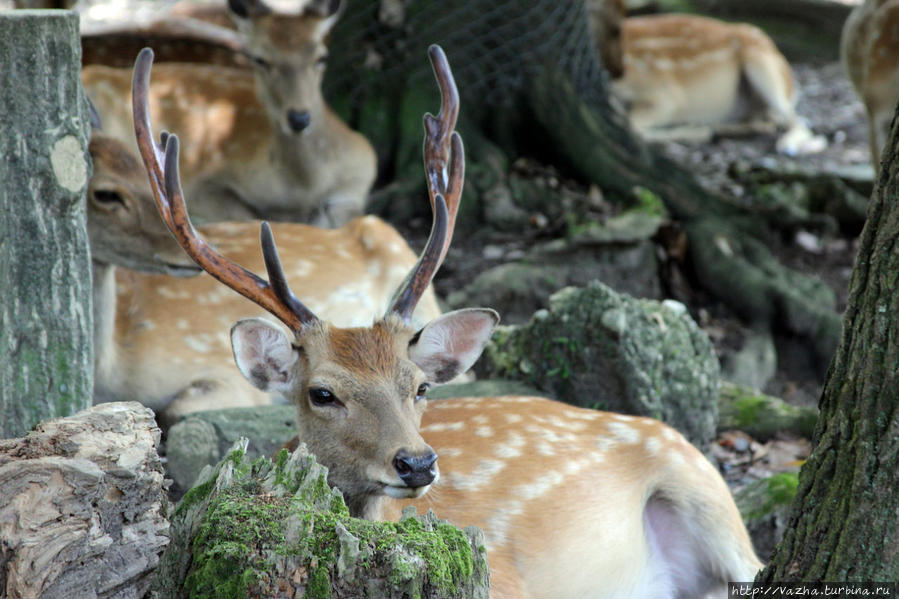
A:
[575,503]
[869,49]
[700,74]
[260,143]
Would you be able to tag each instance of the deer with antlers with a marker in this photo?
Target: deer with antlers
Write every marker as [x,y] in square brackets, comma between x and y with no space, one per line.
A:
[869,49]
[260,142]
[140,307]
[574,502]
[684,76]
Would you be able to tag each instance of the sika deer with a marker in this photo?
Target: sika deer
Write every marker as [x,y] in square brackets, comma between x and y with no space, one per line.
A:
[575,503]
[260,143]
[869,49]
[701,74]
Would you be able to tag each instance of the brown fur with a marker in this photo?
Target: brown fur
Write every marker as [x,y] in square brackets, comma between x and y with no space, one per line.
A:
[240,159]
[870,55]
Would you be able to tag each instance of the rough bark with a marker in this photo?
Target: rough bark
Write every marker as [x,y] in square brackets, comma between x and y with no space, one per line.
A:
[276,529]
[844,524]
[45,284]
[83,506]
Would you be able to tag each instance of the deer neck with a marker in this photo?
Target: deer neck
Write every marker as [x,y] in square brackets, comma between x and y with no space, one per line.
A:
[104,309]
[368,507]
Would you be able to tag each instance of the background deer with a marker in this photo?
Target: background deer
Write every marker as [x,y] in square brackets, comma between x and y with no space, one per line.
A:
[869,50]
[699,73]
[574,502]
[260,142]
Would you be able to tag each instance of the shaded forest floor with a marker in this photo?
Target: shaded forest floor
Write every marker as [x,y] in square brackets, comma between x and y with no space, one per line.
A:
[830,107]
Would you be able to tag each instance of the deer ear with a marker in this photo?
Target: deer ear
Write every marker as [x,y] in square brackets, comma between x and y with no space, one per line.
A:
[329,11]
[450,344]
[264,355]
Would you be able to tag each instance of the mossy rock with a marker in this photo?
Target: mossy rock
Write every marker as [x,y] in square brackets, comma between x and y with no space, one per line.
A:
[266,529]
[597,348]
[762,416]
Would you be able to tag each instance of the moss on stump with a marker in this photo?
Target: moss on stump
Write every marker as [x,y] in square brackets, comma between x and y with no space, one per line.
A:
[277,529]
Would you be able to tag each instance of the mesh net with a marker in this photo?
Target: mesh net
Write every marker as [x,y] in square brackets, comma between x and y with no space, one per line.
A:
[494,46]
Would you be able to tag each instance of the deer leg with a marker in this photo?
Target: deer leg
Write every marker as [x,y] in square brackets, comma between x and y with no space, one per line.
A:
[770,77]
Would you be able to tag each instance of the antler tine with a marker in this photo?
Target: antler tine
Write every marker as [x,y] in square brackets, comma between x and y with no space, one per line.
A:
[442,148]
[166,184]
[443,145]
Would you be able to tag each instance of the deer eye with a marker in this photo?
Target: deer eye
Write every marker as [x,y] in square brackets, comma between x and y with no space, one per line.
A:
[422,391]
[321,60]
[108,197]
[259,61]
[322,397]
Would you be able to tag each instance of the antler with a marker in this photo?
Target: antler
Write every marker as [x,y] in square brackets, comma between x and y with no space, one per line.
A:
[276,297]
[442,148]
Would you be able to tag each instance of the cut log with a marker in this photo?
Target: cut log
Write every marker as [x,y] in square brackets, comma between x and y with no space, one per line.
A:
[83,506]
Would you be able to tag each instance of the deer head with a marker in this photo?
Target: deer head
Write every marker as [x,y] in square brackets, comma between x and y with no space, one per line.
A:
[122,224]
[288,54]
[359,392]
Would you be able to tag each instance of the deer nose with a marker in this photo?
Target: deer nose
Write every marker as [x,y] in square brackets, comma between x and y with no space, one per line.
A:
[416,470]
[298,120]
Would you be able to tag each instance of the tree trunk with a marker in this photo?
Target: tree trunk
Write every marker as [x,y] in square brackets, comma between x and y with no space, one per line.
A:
[45,284]
[844,524]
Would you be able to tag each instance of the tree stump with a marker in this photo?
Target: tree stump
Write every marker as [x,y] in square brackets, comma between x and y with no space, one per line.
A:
[83,506]
[276,529]
[45,284]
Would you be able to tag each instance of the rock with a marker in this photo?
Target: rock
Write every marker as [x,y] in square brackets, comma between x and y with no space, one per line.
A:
[276,529]
[754,364]
[598,348]
[762,416]
[484,388]
[203,438]
[518,289]
[83,506]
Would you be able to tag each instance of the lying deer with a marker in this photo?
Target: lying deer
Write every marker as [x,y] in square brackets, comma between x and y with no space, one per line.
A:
[261,142]
[574,502]
[869,49]
[699,73]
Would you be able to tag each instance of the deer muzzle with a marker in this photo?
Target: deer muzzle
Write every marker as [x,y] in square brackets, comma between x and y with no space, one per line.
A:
[416,470]
[298,120]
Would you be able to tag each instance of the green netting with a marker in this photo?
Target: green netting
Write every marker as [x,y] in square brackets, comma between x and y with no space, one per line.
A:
[494,46]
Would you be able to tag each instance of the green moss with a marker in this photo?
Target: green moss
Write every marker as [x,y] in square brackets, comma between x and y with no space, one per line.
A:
[319,585]
[747,408]
[194,496]
[648,202]
[271,511]
[782,488]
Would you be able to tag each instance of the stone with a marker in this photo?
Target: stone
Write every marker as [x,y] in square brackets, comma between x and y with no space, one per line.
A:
[598,348]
